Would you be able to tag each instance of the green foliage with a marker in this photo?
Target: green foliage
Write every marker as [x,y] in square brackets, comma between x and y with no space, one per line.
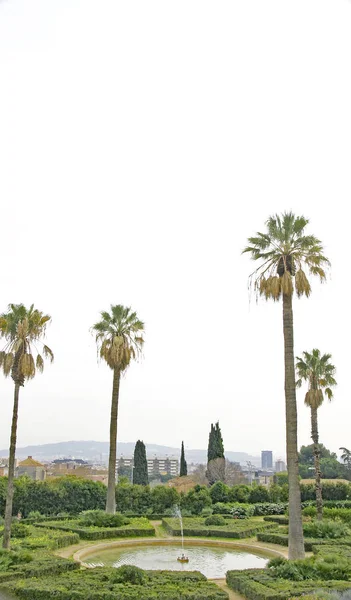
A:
[140,472]
[71,494]
[258,493]
[331,468]
[18,530]
[196,500]
[139,527]
[99,518]
[281,478]
[241,511]
[183,463]
[233,528]
[163,498]
[331,491]
[215,520]
[41,565]
[219,492]
[215,443]
[128,574]
[10,559]
[100,584]
[239,493]
[342,514]
[263,584]
[326,529]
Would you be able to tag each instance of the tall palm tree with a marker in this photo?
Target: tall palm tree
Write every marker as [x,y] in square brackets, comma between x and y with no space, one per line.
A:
[318,371]
[119,339]
[284,253]
[23,330]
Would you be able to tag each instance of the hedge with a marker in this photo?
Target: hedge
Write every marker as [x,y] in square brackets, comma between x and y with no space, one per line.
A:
[283,540]
[277,519]
[98,584]
[237,529]
[41,566]
[101,533]
[260,584]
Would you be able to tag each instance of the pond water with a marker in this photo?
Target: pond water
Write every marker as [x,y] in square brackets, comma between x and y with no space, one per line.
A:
[213,562]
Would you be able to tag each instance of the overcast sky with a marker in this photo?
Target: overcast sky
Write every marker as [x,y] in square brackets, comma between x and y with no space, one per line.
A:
[141,143]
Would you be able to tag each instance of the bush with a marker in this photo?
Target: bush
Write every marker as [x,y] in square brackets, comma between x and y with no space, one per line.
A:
[239,493]
[196,500]
[219,492]
[98,518]
[100,584]
[263,584]
[258,493]
[215,520]
[269,509]
[10,558]
[18,530]
[240,511]
[325,529]
[128,574]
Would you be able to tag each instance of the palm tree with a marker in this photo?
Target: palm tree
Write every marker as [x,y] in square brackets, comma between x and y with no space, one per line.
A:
[119,339]
[285,252]
[22,329]
[346,457]
[318,371]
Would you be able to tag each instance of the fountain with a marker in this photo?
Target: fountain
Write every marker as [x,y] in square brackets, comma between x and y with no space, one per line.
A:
[178,515]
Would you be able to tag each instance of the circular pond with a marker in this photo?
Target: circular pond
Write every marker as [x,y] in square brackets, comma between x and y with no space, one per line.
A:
[213,562]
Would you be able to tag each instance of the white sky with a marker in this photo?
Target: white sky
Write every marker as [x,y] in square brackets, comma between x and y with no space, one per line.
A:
[141,143]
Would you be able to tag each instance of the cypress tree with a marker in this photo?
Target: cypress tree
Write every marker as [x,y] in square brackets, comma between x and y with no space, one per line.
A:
[215,455]
[219,442]
[140,474]
[211,450]
[183,465]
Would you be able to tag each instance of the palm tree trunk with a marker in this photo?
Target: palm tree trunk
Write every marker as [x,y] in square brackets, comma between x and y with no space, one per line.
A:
[112,461]
[317,464]
[296,543]
[12,453]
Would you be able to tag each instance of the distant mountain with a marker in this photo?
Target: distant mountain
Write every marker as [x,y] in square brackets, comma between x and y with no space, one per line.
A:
[98,451]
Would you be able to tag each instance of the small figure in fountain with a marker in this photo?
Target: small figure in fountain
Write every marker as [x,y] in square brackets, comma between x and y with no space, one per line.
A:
[183,558]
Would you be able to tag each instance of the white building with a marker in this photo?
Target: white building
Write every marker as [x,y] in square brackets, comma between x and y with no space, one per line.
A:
[155,466]
[280,466]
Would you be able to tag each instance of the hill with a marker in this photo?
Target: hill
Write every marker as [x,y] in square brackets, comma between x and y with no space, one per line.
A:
[98,451]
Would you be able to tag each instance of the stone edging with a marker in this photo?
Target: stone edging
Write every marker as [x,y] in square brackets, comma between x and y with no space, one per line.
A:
[86,550]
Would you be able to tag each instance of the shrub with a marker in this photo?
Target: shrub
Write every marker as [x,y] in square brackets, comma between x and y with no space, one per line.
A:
[35,515]
[215,520]
[128,574]
[98,518]
[239,493]
[242,512]
[196,500]
[18,530]
[219,492]
[325,529]
[10,558]
[268,508]
[258,493]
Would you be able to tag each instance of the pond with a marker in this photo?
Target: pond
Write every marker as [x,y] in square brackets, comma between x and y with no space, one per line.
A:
[212,561]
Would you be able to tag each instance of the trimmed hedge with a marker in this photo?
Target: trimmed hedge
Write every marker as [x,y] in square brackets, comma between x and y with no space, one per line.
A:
[277,519]
[237,529]
[274,537]
[99,584]
[260,584]
[140,528]
[41,566]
